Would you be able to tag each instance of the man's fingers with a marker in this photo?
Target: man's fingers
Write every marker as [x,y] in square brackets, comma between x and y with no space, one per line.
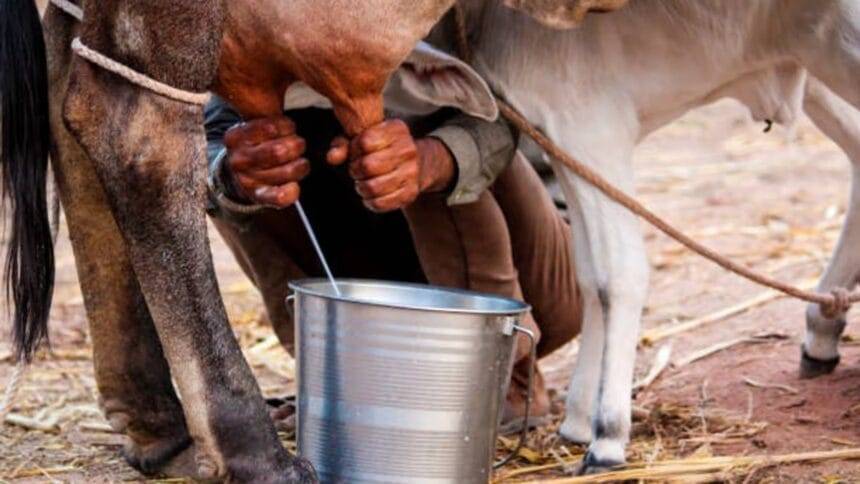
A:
[382,162]
[257,131]
[267,154]
[339,151]
[380,136]
[279,175]
[280,197]
[389,183]
[394,201]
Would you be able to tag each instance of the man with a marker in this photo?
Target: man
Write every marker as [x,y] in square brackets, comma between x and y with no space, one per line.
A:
[439,197]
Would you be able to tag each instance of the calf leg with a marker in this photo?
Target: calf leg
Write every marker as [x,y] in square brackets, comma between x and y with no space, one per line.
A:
[841,122]
[612,271]
[136,392]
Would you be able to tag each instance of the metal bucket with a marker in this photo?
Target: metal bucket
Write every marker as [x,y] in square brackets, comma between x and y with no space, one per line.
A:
[401,382]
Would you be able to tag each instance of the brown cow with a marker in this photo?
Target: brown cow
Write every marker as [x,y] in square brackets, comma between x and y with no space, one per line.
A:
[129,167]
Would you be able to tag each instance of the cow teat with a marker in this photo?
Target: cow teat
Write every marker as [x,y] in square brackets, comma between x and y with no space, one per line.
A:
[344,50]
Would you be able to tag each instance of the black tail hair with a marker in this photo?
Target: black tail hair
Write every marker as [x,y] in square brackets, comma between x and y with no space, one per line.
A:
[25,141]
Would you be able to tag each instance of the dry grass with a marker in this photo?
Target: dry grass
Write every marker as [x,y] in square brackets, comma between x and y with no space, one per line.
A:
[667,441]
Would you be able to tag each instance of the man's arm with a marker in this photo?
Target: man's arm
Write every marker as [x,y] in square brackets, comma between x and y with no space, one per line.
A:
[481,151]
[461,157]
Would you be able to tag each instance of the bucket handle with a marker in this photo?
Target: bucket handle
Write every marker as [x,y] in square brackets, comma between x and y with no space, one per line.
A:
[532,362]
[291,304]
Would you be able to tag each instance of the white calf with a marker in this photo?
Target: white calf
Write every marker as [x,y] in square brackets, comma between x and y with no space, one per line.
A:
[599,89]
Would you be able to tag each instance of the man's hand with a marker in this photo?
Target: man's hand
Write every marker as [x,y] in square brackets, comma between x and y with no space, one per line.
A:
[391,168]
[265,159]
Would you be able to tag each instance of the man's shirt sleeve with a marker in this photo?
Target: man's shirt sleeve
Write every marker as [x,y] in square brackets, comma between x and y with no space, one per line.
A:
[481,150]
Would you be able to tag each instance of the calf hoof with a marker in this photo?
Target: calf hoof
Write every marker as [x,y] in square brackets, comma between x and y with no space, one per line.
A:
[812,367]
[592,464]
[151,459]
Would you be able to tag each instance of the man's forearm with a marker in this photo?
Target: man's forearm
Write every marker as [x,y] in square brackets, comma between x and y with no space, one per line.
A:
[481,150]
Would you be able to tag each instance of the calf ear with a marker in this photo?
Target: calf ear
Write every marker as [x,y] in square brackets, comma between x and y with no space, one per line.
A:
[564,14]
[430,79]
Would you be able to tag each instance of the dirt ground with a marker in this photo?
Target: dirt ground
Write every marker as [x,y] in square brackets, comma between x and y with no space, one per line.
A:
[773,201]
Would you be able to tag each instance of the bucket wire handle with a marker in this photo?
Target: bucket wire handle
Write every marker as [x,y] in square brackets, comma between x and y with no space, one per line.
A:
[532,362]
[291,303]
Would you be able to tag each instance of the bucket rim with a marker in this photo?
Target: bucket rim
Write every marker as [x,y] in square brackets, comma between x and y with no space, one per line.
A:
[518,307]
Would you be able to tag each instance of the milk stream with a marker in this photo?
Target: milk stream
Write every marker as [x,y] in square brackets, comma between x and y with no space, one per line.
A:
[317,247]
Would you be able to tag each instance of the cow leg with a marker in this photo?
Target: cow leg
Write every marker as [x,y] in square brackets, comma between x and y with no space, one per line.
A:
[832,101]
[841,122]
[135,388]
[613,274]
[153,175]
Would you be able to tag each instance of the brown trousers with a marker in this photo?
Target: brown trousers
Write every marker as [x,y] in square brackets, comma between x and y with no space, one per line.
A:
[512,242]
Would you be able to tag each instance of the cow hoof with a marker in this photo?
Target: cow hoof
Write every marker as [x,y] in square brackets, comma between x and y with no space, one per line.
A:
[300,472]
[812,367]
[290,470]
[592,464]
[153,458]
[185,466]
[303,472]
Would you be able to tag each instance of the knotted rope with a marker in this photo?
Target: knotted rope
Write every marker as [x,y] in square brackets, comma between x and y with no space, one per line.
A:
[12,390]
[122,70]
[832,304]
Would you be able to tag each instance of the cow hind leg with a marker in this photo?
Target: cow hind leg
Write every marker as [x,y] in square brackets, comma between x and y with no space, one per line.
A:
[134,382]
[841,122]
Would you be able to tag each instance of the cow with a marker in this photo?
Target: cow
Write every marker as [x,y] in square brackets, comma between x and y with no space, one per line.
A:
[129,171]
[599,89]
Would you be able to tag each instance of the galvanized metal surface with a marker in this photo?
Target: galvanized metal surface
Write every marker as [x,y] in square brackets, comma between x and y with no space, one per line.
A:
[400,383]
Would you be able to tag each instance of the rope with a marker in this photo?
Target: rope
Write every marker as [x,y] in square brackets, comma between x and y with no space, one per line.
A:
[832,304]
[70,8]
[12,390]
[142,80]
[122,70]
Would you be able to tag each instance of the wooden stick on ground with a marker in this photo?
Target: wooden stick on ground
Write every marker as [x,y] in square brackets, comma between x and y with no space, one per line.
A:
[724,345]
[661,362]
[654,335]
[777,386]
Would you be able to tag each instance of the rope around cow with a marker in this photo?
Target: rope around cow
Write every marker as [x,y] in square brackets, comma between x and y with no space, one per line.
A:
[832,304]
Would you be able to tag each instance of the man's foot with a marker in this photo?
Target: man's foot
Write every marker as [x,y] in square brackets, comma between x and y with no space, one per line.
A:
[283,413]
[514,412]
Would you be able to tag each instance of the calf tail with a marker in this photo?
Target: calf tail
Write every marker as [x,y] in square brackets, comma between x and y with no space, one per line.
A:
[25,141]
